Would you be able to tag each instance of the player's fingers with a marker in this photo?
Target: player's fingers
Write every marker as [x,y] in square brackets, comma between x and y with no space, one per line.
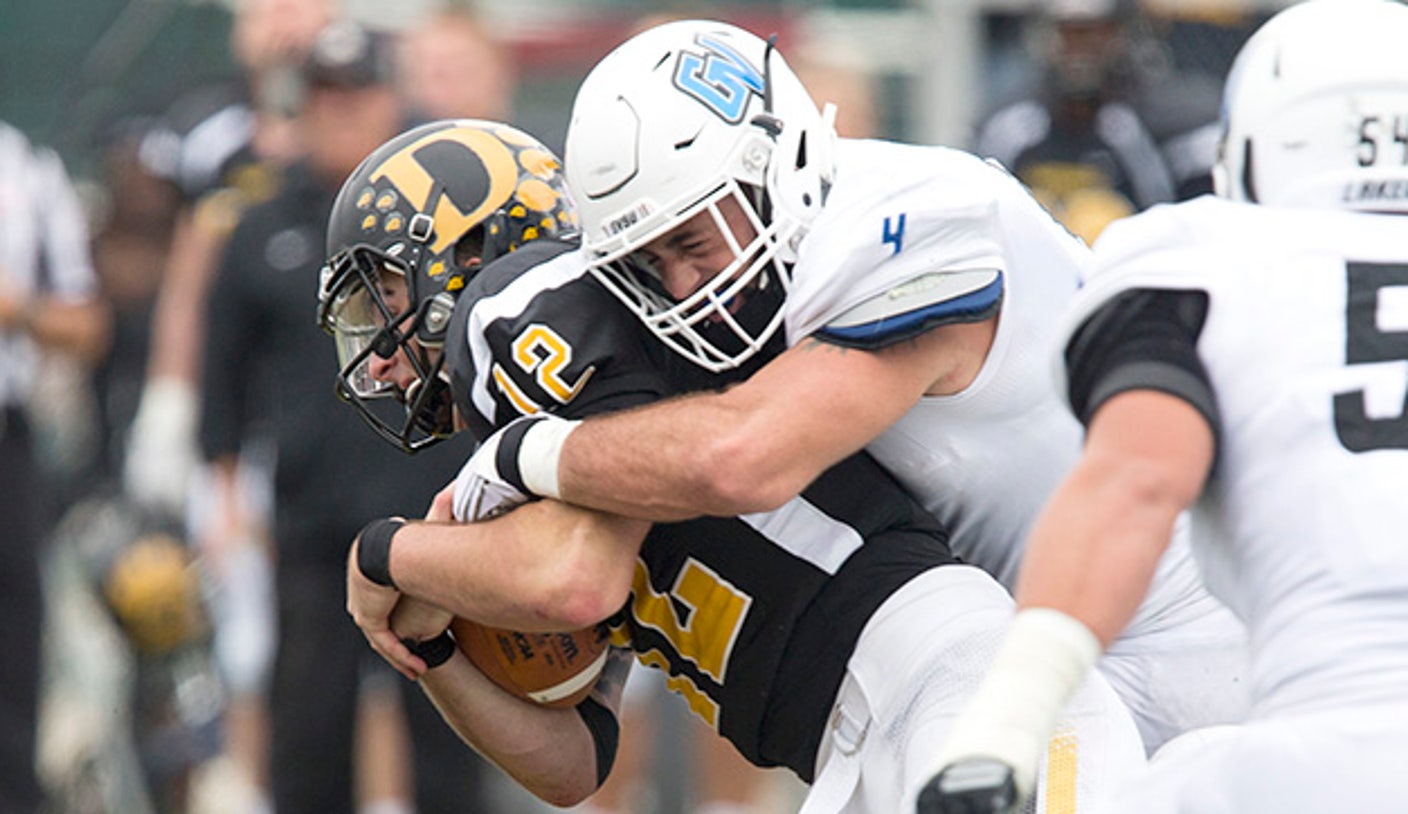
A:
[390,648]
[369,604]
[442,508]
[419,620]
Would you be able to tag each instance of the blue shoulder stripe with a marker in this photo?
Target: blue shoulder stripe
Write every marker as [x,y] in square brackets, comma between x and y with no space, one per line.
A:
[971,307]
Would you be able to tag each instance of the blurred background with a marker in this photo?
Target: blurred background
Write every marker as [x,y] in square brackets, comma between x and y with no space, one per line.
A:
[71,70]
[168,543]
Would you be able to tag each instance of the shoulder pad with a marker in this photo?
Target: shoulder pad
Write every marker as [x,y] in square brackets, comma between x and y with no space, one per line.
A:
[917,305]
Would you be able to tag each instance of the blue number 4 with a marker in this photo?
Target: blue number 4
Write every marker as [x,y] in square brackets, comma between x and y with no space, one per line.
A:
[894,232]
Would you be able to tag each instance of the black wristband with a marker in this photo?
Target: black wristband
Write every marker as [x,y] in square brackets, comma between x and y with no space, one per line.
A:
[434,652]
[506,456]
[374,550]
[606,734]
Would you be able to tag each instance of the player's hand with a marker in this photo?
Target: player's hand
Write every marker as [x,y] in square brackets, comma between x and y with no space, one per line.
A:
[418,621]
[489,484]
[442,507]
[161,449]
[370,606]
[976,785]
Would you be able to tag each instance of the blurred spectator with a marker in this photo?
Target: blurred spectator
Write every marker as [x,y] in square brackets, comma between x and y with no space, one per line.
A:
[223,151]
[329,479]
[132,235]
[48,304]
[270,39]
[224,148]
[451,67]
[1191,46]
[226,153]
[133,564]
[1084,142]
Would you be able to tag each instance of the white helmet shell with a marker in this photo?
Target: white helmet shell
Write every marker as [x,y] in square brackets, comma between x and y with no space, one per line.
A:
[1315,111]
[666,126]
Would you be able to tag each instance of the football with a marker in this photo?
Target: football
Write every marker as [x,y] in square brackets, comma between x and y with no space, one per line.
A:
[551,669]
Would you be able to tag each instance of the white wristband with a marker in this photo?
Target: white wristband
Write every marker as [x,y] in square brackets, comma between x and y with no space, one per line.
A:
[539,452]
[1042,661]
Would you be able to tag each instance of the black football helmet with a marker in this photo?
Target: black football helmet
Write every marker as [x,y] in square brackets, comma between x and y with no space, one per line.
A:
[425,210]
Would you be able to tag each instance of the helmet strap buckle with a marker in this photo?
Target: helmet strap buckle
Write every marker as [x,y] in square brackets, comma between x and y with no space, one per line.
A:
[421,227]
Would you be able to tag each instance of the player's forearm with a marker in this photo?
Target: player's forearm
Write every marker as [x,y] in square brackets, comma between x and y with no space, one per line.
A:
[1097,544]
[1089,561]
[1092,556]
[665,462]
[545,566]
[548,751]
[750,448]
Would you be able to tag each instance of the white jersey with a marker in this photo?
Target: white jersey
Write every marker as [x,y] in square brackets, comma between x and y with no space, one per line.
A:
[1301,529]
[986,459]
[902,223]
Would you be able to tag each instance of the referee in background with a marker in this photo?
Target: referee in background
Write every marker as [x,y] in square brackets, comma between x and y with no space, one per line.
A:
[48,303]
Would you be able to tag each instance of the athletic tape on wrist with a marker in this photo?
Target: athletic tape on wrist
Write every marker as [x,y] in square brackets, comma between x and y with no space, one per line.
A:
[538,455]
[434,652]
[374,550]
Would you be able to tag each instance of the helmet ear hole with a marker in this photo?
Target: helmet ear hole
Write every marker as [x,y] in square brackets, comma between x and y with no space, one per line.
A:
[469,250]
[495,236]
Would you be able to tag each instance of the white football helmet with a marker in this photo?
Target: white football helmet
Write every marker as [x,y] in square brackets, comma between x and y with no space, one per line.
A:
[1315,111]
[674,121]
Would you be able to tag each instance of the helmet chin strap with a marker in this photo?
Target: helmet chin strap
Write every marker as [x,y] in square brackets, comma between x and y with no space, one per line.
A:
[770,124]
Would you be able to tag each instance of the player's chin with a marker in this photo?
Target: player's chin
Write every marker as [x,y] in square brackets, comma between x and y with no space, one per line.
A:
[751,310]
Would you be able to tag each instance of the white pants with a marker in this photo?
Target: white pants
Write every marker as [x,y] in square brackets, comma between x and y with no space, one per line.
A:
[1184,676]
[915,665]
[1343,760]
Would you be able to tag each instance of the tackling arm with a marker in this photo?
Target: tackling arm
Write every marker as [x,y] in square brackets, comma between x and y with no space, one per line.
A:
[756,445]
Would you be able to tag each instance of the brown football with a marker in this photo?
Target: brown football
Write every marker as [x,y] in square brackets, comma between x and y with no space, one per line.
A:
[551,669]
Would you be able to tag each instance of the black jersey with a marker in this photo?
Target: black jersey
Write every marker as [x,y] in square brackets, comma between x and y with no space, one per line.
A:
[754,618]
